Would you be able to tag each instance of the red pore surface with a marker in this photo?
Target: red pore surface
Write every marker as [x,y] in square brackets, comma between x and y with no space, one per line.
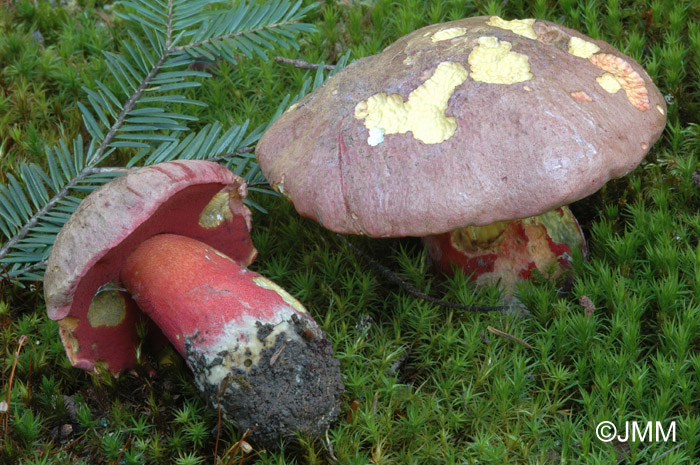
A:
[108,225]
[543,243]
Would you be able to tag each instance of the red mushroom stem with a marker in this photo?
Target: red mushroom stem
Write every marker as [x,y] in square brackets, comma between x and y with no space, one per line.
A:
[508,251]
[253,348]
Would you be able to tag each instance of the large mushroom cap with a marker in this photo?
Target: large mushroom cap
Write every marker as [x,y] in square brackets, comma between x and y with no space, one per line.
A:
[463,123]
[199,199]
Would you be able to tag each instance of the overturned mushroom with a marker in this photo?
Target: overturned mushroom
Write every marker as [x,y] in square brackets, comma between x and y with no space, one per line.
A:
[473,123]
[176,237]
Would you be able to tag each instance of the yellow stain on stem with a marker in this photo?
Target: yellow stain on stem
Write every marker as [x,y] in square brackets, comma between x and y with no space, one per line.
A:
[423,113]
[66,328]
[286,296]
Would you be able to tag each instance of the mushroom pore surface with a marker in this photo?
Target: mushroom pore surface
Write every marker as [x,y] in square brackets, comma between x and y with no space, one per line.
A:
[194,198]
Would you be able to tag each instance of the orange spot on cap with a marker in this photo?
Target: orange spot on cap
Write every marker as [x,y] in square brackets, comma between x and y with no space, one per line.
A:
[581,96]
[630,80]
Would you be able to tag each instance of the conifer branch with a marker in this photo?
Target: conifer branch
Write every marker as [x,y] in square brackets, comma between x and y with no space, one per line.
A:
[94,158]
[31,214]
[233,35]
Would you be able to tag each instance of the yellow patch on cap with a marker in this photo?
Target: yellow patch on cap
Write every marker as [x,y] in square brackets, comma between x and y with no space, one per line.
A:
[449,33]
[286,296]
[582,48]
[106,309]
[216,212]
[608,82]
[522,27]
[661,110]
[423,113]
[492,61]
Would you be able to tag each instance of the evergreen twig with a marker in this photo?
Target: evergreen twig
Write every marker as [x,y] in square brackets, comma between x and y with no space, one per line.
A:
[250,28]
[303,64]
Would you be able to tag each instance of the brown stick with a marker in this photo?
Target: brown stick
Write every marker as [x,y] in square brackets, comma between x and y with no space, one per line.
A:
[218,425]
[303,64]
[126,445]
[498,332]
[22,340]
[75,440]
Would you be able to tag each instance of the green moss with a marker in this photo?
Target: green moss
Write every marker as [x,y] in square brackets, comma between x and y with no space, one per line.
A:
[46,55]
[430,385]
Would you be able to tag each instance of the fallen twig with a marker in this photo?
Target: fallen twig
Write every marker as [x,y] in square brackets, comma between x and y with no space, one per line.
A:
[329,446]
[6,274]
[244,447]
[75,440]
[498,332]
[218,424]
[277,353]
[6,420]
[303,64]
[126,446]
[677,446]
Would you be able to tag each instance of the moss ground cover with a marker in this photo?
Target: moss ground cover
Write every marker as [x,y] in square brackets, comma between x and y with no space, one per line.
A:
[424,384]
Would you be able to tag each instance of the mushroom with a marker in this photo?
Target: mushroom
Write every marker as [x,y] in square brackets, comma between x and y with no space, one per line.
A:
[171,241]
[482,123]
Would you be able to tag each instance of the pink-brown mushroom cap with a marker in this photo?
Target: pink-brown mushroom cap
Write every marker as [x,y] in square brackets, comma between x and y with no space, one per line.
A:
[519,149]
[109,224]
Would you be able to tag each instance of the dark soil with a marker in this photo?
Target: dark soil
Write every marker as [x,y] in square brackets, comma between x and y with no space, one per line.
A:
[295,387]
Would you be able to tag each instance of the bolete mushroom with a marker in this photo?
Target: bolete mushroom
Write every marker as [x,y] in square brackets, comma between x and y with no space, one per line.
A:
[474,123]
[174,237]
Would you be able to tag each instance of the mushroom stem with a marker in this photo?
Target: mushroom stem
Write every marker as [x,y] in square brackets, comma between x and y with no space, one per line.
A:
[508,251]
[253,348]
